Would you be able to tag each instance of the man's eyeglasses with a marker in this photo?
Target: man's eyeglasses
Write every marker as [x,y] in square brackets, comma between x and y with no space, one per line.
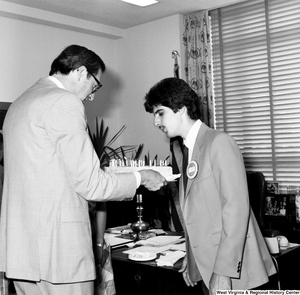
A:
[96,87]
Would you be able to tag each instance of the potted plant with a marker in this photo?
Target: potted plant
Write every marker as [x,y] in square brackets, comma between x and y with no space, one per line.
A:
[104,150]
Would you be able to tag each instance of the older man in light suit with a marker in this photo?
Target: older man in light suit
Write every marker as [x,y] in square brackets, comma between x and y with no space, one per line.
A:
[51,172]
[225,248]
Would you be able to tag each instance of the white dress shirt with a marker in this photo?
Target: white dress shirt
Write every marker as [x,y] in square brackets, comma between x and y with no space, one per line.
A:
[190,140]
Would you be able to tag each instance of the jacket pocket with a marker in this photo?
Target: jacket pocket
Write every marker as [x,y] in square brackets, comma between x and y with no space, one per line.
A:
[74,215]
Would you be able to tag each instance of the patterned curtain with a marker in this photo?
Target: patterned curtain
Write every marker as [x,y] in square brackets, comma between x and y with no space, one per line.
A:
[198,71]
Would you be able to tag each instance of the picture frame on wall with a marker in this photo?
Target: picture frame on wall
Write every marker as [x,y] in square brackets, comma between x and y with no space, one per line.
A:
[272,187]
[275,205]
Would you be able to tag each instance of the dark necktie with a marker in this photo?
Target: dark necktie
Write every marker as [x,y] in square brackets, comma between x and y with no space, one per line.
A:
[185,161]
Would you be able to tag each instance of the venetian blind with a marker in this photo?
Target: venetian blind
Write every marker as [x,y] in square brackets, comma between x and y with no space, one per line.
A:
[256,66]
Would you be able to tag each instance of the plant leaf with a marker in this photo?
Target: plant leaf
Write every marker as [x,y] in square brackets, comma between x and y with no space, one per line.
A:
[138,152]
[116,135]
[104,151]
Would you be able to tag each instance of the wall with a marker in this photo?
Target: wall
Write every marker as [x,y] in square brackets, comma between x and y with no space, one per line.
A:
[28,49]
[145,57]
[134,63]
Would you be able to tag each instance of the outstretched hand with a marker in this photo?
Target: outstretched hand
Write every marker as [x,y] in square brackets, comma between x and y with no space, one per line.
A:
[152,180]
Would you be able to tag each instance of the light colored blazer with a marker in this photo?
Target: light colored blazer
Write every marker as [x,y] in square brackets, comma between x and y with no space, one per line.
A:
[222,233]
[51,172]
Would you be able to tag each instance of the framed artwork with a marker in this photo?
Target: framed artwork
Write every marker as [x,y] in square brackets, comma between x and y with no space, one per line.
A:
[275,205]
[272,187]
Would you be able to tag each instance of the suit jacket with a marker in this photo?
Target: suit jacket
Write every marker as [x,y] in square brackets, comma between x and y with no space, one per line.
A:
[222,234]
[51,172]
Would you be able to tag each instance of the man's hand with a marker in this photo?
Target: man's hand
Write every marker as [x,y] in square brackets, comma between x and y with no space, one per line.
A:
[99,254]
[185,274]
[152,180]
[218,282]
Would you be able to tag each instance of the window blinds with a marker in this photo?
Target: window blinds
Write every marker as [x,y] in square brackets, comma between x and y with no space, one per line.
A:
[256,66]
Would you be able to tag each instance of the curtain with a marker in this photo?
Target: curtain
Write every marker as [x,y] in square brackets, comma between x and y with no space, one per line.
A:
[198,71]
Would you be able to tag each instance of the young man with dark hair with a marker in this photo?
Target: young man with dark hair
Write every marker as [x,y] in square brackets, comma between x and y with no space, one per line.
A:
[225,248]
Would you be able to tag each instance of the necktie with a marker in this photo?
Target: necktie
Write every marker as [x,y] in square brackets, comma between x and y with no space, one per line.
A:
[185,161]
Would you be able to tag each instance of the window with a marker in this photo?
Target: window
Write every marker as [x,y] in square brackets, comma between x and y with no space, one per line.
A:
[256,65]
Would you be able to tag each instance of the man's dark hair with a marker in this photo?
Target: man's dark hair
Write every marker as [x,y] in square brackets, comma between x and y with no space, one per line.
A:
[75,56]
[173,93]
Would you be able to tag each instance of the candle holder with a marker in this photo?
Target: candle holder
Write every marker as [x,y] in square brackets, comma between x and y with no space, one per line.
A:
[139,226]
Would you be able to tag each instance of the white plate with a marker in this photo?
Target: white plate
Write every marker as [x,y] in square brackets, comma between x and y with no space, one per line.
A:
[142,256]
[173,177]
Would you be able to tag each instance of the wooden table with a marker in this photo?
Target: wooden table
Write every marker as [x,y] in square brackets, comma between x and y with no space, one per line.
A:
[288,261]
[146,278]
[133,277]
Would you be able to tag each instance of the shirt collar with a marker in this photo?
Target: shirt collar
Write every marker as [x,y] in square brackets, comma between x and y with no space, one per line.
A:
[57,82]
[192,135]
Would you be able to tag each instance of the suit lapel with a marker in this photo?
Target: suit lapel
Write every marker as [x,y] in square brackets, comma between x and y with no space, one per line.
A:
[195,157]
[196,154]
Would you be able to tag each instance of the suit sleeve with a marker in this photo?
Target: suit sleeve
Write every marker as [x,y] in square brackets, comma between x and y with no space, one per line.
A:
[66,127]
[230,177]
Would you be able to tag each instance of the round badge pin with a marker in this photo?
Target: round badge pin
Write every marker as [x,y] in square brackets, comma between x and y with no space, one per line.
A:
[192,170]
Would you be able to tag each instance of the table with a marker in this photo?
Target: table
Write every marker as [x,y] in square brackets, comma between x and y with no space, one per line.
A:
[132,277]
[288,261]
